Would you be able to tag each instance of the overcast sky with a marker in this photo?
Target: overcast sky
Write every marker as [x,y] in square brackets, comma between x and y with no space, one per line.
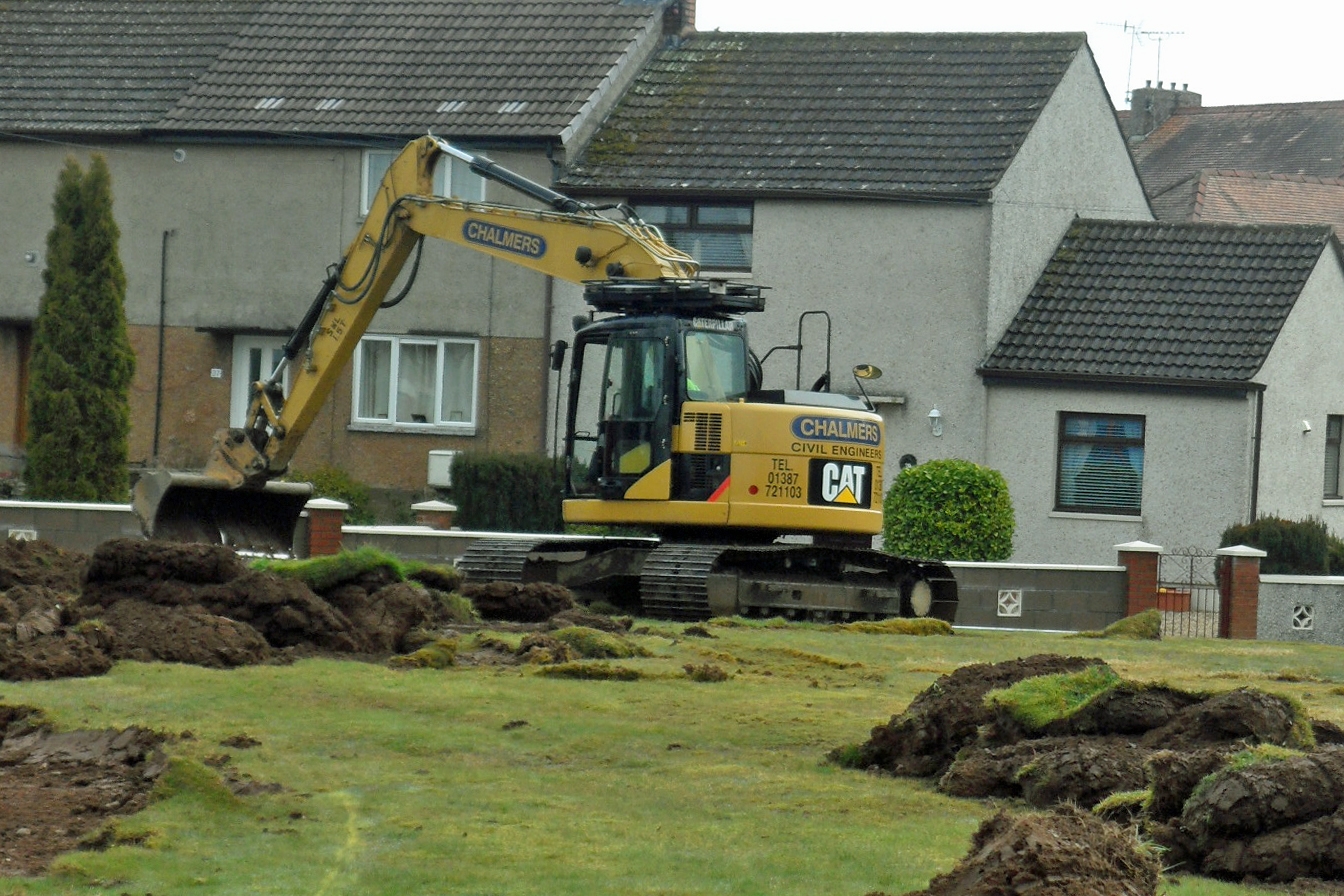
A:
[1232,55]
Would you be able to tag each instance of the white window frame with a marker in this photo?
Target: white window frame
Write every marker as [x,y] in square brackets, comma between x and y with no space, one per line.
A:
[452,177]
[240,389]
[390,423]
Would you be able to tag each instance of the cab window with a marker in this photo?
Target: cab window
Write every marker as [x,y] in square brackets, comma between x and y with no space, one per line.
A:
[716,368]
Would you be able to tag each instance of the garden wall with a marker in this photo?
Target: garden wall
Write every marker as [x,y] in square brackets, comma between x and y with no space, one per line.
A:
[1042,597]
[1301,608]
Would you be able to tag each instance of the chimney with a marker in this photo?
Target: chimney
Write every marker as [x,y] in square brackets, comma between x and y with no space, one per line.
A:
[1149,106]
[679,18]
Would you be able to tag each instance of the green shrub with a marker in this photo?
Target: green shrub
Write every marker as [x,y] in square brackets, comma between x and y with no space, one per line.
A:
[82,363]
[1293,547]
[338,485]
[948,510]
[508,492]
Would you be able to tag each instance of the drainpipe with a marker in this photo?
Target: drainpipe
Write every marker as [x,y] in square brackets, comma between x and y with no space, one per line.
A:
[1255,458]
[163,314]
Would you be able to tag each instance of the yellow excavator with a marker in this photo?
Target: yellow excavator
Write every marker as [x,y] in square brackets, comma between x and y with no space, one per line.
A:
[760,501]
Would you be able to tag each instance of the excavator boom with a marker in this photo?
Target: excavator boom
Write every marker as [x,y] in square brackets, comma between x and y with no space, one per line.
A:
[237,499]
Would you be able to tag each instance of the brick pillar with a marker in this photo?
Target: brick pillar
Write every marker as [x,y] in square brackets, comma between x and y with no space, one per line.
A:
[1239,587]
[1140,559]
[325,518]
[434,514]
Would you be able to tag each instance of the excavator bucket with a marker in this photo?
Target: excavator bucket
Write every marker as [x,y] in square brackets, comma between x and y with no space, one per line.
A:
[196,508]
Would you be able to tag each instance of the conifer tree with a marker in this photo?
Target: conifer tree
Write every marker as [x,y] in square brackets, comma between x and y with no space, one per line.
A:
[82,362]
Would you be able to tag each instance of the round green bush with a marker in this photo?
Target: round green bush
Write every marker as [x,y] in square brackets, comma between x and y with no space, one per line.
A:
[948,510]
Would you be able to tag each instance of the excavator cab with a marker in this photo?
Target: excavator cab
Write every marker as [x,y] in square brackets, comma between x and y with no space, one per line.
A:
[622,404]
[631,375]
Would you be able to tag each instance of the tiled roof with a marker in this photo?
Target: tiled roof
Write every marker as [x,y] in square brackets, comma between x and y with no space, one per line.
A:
[91,65]
[394,67]
[1250,197]
[1289,138]
[1156,302]
[893,114]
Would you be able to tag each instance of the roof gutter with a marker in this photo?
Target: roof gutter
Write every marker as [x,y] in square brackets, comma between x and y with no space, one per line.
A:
[995,377]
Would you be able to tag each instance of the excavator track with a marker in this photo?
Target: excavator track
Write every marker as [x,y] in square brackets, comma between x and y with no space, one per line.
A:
[496,559]
[674,582]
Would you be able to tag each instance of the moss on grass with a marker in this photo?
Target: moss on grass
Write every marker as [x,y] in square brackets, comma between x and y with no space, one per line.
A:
[591,672]
[593,644]
[1145,626]
[1036,702]
[921,626]
[440,654]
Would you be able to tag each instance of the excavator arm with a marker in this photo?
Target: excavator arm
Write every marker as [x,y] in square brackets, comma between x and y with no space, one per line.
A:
[569,239]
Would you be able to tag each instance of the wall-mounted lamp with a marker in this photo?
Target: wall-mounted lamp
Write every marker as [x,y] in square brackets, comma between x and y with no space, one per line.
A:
[936,422]
[31,258]
[1306,427]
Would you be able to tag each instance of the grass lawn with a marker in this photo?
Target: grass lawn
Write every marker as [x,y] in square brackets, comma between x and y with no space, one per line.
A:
[486,780]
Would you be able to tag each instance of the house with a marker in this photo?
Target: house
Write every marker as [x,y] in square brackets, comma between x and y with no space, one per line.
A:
[244,138]
[1162,382]
[1273,163]
[910,186]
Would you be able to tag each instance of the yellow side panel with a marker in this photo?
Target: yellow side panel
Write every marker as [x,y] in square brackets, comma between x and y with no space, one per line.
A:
[666,513]
[656,486]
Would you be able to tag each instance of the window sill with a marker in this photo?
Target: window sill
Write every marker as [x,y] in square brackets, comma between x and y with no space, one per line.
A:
[414,429]
[1332,502]
[1105,517]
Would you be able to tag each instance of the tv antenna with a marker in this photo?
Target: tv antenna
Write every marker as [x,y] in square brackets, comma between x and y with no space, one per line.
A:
[1137,34]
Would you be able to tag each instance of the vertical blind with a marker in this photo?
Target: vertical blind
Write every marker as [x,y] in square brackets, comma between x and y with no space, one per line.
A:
[1101,463]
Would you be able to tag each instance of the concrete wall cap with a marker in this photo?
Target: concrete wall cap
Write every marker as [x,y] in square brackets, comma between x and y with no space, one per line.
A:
[1048,567]
[434,506]
[326,504]
[1142,547]
[1241,550]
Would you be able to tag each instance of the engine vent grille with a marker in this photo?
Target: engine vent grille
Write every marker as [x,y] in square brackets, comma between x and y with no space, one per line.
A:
[708,431]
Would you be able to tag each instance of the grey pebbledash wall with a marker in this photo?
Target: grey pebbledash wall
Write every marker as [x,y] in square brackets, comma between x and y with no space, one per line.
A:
[1306,609]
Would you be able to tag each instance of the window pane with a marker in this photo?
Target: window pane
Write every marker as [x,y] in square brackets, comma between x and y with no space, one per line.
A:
[416,370]
[1333,426]
[376,162]
[375,378]
[1101,464]
[465,183]
[715,250]
[738,215]
[715,366]
[664,214]
[458,383]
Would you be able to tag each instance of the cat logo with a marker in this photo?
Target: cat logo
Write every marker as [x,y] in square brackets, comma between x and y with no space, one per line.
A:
[835,482]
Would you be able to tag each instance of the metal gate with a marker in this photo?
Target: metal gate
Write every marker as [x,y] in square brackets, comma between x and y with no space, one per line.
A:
[1188,594]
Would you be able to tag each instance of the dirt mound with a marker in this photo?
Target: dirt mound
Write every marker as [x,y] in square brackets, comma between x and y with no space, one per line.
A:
[40,563]
[59,787]
[923,740]
[512,602]
[1230,785]
[1064,853]
[64,614]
